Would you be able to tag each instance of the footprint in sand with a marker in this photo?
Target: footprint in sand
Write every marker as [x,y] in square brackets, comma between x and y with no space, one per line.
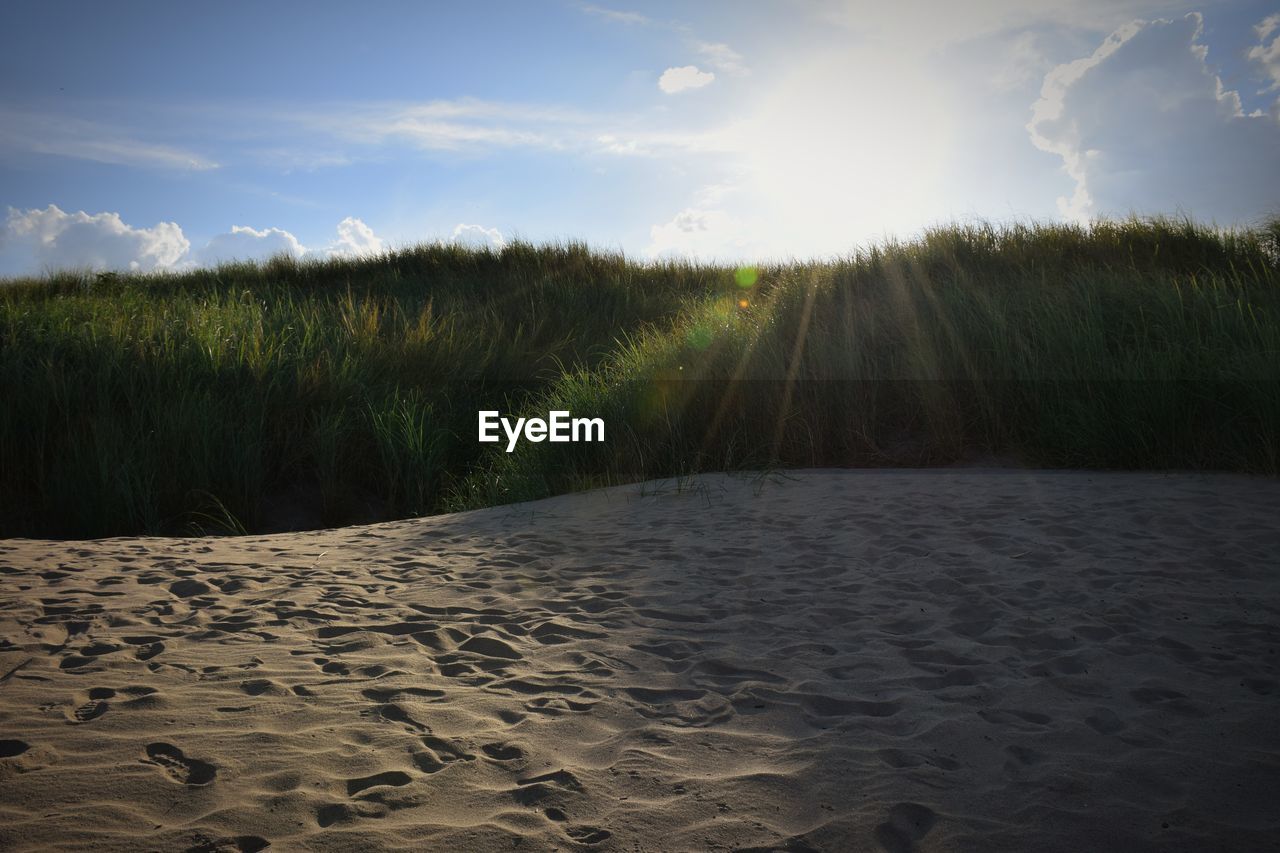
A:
[397,714]
[188,587]
[588,834]
[11,748]
[549,633]
[1019,758]
[238,844]
[1165,699]
[1105,721]
[327,816]
[535,789]
[455,670]
[1261,686]
[1015,719]
[259,686]
[95,706]
[556,706]
[489,647]
[439,754]
[149,651]
[386,694]
[502,751]
[820,705]
[908,823]
[393,778]
[900,759]
[188,771]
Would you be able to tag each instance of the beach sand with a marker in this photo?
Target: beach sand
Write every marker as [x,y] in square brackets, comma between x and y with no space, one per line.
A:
[937,660]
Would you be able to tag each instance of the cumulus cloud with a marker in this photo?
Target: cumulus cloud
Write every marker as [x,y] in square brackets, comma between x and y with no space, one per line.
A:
[35,240]
[354,239]
[700,232]
[1267,51]
[243,243]
[1145,125]
[682,79]
[478,237]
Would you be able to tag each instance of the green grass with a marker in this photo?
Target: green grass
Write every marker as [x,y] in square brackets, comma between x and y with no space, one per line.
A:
[251,397]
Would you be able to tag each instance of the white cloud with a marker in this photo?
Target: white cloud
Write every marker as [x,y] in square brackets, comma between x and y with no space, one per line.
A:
[289,159]
[36,240]
[700,232]
[465,124]
[1021,64]
[332,134]
[718,55]
[685,77]
[653,144]
[611,144]
[243,243]
[1144,125]
[33,241]
[1267,53]
[921,26]
[444,135]
[354,239]
[477,127]
[620,16]
[478,237]
[722,57]
[87,140]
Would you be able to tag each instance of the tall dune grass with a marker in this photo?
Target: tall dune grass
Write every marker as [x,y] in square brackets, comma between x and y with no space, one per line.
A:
[288,394]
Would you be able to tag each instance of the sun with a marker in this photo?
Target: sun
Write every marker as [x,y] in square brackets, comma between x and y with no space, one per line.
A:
[845,148]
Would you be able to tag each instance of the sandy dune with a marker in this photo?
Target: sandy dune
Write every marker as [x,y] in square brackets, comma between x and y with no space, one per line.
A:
[842,660]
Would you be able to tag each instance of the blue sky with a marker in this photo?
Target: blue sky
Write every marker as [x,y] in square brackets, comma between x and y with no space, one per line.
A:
[154,135]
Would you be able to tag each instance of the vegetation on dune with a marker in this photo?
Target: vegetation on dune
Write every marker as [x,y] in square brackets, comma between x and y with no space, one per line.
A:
[255,396]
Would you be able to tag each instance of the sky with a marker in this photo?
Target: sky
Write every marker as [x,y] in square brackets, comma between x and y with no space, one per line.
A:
[158,135]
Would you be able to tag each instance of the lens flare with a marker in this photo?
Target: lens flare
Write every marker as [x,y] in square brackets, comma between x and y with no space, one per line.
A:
[700,337]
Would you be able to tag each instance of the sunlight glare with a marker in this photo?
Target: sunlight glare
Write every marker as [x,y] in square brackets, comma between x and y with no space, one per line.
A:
[848,147]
